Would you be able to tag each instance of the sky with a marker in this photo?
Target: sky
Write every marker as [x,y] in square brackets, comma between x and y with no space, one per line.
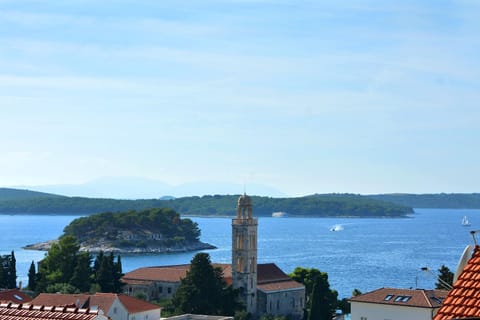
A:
[303,96]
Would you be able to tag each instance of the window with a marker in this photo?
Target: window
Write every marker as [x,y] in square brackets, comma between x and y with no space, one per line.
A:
[402,298]
[388,297]
[115,310]
[278,304]
[160,289]
[363,318]
[169,290]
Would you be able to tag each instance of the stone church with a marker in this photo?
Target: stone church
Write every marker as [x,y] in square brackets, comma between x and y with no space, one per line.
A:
[264,288]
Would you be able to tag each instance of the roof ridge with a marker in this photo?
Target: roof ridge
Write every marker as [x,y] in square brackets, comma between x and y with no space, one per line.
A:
[426,298]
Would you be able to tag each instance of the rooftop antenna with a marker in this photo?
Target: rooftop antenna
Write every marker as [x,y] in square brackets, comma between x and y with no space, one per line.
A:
[473,236]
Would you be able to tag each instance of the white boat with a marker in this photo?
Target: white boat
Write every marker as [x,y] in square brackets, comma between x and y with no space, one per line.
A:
[337,227]
[465,221]
[279,214]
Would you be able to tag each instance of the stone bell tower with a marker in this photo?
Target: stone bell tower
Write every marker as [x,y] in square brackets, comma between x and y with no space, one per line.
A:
[244,253]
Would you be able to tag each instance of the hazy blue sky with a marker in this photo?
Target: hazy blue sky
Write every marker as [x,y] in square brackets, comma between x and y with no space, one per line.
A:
[306,96]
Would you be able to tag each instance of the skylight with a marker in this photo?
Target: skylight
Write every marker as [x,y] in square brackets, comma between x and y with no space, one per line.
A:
[16,296]
[388,297]
[402,298]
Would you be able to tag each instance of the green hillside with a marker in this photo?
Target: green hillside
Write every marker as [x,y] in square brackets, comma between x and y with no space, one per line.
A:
[436,200]
[7,194]
[347,205]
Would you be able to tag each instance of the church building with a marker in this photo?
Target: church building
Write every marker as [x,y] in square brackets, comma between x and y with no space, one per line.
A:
[264,288]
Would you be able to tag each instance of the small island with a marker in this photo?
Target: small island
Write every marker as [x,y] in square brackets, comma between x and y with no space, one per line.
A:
[157,230]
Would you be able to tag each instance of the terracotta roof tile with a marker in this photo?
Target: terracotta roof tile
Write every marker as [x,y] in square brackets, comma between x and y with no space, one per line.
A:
[100,301]
[12,311]
[267,272]
[280,285]
[58,299]
[134,305]
[464,299]
[167,273]
[405,297]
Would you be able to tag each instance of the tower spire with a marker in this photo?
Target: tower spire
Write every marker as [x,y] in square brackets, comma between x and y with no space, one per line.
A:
[244,253]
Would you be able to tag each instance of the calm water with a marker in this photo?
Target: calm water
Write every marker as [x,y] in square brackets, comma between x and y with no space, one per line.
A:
[367,254]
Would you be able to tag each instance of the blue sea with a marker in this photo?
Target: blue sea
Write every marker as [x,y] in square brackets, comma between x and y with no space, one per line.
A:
[363,253]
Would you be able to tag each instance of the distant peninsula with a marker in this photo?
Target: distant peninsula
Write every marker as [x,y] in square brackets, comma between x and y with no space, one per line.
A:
[147,231]
[14,201]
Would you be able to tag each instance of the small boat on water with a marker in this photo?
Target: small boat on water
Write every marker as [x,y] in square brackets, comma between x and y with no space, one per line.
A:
[465,221]
[337,227]
[279,214]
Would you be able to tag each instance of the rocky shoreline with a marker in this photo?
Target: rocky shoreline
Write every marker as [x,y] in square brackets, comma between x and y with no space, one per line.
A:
[109,247]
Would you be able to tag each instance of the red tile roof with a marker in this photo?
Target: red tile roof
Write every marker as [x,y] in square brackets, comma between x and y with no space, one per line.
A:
[102,301]
[167,273]
[405,297]
[14,295]
[268,272]
[464,299]
[12,311]
[134,305]
[280,285]
[271,278]
[162,273]
[59,299]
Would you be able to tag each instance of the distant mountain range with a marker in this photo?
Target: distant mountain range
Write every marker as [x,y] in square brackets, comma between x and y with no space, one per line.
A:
[142,188]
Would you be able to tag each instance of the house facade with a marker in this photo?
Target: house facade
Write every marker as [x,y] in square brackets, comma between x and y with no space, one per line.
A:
[397,304]
[115,306]
[264,288]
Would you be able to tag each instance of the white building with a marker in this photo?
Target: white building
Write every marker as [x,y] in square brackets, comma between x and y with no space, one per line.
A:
[397,304]
[115,306]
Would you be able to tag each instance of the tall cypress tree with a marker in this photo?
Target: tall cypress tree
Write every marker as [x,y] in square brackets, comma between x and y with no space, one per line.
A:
[117,275]
[11,272]
[32,277]
[322,300]
[3,282]
[82,272]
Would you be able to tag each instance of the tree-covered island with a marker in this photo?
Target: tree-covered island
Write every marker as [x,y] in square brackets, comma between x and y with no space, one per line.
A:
[157,230]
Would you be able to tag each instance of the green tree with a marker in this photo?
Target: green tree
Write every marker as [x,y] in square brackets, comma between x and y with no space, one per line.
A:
[445,278]
[107,273]
[64,265]
[82,273]
[117,276]
[12,272]
[104,273]
[61,288]
[356,292]
[2,274]
[8,271]
[204,291]
[325,297]
[32,277]
[321,306]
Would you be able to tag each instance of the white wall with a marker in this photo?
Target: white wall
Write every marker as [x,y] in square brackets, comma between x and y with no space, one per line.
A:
[373,311]
[118,311]
[146,315]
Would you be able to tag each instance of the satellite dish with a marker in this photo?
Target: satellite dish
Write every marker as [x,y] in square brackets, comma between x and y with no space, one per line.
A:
[462,262]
